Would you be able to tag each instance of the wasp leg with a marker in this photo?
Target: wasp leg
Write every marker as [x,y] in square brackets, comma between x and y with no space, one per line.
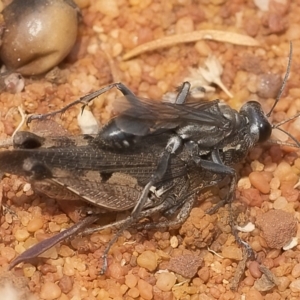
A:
[84,100]
[217,166]
[122,225]
[136,213]
[183,93]
[182,215]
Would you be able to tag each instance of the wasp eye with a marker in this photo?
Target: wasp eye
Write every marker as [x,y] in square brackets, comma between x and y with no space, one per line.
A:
[259,124]
[265,130]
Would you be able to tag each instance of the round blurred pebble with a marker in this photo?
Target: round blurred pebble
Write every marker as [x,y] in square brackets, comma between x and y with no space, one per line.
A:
[35,224]
[50,291]
[38,35]
[232,252]
[21,235]
[147,260]
[254,269]
[253,295]
[145,289]
[131,280]
[295,286]
[165,281]
[259,182]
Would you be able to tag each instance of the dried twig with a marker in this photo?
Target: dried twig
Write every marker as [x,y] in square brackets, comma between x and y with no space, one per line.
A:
[215,35]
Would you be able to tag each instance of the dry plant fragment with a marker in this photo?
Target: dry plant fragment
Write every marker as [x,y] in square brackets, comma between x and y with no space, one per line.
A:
[204,76]
[201,80]
[239,272]
[87,122]
[215,35]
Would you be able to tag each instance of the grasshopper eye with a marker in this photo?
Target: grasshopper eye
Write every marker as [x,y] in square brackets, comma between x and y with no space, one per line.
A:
[27,140]
[259,124]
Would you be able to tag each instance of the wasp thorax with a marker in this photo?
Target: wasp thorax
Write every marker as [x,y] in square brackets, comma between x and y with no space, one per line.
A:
[259,124]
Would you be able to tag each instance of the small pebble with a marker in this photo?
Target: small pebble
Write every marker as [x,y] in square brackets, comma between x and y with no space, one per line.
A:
[131,280]
[296,271]
[278,227]
[28,270]
[50,291]
[26,187]
[21,235]
[204,274]
[232,252]
[282,171]
[82,3]
[38,35]
[295,286]
[108,8]
[66,251]
[293,32]
[8,253]
[257,166]
[274,194]
[215,292]
[174,241]
[66,284]
[268,85]
[253,295]
[165,281]
[35,224]
[147,260]
[254,269]
[244,183]
[115,270]
[53,227]
[275,183]
[185,24]
[283,283]
[259,182]
[249,280]
[145,289]
[186,265]
[280,203]
[133,292]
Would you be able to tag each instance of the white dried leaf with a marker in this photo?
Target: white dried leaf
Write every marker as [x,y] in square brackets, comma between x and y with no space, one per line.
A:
[202,78]
[293,243]
[87,122]
[212,73]
[247,228]
[14,83]
[263,5]
[174,241]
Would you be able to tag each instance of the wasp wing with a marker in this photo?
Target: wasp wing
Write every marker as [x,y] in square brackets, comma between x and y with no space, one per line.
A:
[140,117]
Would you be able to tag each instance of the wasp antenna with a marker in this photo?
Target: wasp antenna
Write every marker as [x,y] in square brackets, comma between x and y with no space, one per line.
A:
[280,143]
[285,121]
[297,143]
[287,73]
